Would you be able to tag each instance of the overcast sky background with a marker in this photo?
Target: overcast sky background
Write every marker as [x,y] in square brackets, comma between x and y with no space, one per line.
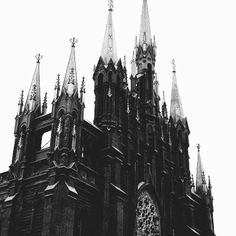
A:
[199,35]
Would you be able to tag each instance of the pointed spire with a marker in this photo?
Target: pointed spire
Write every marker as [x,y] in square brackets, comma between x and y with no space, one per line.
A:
[133,66]
[70,86]
[57,87]
[33,100]
[209,183]
[45,104]
[82,91]
[200,177]
[20,103]
[109,44]
[176,110]
[124,61]
[145,27]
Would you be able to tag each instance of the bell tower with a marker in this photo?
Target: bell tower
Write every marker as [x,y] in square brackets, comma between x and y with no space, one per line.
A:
[110,80]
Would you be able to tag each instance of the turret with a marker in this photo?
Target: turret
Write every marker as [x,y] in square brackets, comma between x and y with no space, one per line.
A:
[110,79]
[68,109]
[145,56]
[24,122]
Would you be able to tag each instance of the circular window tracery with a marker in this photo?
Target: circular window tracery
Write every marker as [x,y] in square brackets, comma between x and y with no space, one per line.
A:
[147,216]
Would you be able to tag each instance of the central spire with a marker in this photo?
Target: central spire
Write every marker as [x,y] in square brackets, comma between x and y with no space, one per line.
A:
[145,27]
[109,50]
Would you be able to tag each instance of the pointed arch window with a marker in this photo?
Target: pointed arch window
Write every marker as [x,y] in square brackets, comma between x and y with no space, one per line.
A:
[100,95]
[147,216]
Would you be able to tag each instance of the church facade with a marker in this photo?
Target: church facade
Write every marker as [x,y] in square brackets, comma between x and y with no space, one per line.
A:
[125,174]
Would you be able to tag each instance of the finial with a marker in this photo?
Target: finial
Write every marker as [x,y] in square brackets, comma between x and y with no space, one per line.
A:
[57,87]
[203,178]
[124,61]
[198,147]
[45,98]
[21,100]
[38,57]
[164,97]
[44,106]
[73,41]
[57,84]
[82,89]
[110,5]
[154,41]
[174,65]
[209,183]
[20,103]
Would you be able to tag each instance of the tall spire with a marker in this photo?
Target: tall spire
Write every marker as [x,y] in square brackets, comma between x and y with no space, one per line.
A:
[33,100]
[176,109]
[70,84]
[200,176]
[145,27]
[109,50]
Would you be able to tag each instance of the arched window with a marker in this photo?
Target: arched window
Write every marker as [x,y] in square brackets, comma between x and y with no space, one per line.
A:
[147,216]
[150,81]
[100,95]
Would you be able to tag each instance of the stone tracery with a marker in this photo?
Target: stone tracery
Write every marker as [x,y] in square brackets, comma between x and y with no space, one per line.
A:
[147,216]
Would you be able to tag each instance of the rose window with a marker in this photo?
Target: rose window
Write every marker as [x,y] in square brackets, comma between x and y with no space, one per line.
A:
[147,216]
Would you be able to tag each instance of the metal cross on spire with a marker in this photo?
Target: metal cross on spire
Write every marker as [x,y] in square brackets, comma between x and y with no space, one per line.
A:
[110,5]
[38,57]
[174,65]
[73,41]
[198,147]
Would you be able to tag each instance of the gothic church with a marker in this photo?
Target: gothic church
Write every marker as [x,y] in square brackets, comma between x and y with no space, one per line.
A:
[126,174]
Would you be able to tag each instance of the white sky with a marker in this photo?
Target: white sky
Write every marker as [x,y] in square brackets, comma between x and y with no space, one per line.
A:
[200,35]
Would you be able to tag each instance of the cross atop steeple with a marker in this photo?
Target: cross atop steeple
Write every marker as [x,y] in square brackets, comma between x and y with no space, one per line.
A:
[38,57]
[174,65]
[73,41]
[110,5]
[198,147]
